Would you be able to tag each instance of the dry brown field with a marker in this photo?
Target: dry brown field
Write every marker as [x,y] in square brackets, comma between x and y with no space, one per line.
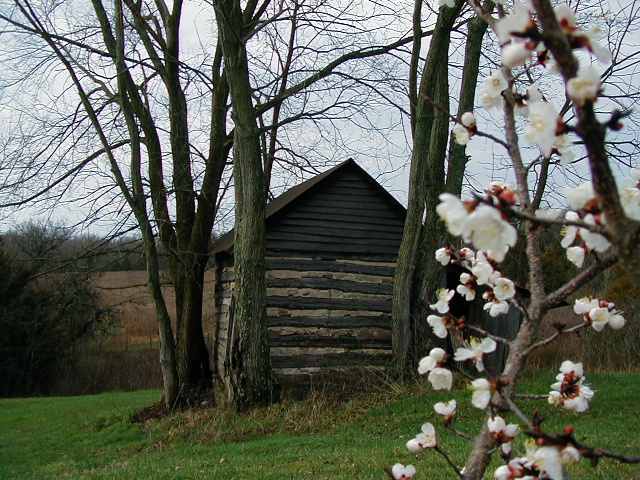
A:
[127,294]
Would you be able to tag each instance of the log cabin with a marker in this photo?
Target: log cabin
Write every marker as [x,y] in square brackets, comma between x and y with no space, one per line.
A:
[332,244]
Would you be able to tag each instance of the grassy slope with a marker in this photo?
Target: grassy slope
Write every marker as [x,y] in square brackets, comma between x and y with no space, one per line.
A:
[90,437]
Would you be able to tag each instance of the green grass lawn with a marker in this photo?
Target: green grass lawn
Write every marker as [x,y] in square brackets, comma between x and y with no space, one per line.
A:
[91,436]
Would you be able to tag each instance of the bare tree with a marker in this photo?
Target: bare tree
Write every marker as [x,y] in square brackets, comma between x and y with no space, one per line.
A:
[164,127]
[416,276]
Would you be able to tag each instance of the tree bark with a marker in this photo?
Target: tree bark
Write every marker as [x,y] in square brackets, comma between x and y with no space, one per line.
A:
[403,297]
[250,378]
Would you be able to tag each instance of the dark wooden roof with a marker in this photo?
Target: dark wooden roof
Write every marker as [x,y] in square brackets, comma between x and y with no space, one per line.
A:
[299,203]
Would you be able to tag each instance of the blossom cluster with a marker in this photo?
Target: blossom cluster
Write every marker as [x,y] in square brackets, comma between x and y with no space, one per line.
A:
[543,462]
[599,313]
[480,272]
[585,208]
[578,241]
[502,433]
[570,390]
[480,222]
[483,223]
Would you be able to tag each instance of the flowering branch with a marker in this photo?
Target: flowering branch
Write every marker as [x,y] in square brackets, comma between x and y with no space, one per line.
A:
[487,334]
[568,438]
[556,298]
[561,329]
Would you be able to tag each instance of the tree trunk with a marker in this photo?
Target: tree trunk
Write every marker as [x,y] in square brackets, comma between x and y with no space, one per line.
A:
[193,357]
[428,274]
[250,364]
[473,47]
[403,287]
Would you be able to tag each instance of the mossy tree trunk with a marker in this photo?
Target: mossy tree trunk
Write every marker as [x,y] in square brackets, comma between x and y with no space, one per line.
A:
[417,274]
[250,376]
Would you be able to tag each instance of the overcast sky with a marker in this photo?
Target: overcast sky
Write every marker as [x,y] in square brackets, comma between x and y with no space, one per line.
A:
[383,151]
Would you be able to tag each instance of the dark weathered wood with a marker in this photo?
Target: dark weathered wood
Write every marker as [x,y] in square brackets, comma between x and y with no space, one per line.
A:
[301,303]
[329,266]
[330,283]
[367,227]
[382,253]
[372,321]
[278,237]
[348,359]
[321,341]
[340,217]
[356,206]
[325,376]
[346,233]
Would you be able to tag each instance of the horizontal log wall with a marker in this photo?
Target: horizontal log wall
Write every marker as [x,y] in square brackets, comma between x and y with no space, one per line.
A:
[323,315]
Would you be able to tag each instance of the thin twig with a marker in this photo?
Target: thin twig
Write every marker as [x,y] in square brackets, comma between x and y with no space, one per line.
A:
[519,413]
[482,331]
[449,461]
[551,338]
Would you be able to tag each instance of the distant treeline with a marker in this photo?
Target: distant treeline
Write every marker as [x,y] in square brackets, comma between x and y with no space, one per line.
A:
[61,248]
[47,305]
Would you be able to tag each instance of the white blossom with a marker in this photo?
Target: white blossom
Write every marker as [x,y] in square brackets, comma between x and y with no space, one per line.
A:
[576,256]
[400,472]
[476,352]
[566,17]
[568,367]
[436,355]
[487,230]
[630,200]
[547,460]
[516,22]
[599,318]
[453,212]
[490,101]
[466,287]
[584,87]
[444,296]
[594,241]
[616,321]
[467,254]
[563,147]
[492,88]
[515,54]
[514,469]
[446,409]
[482,270]
[603,314]
[579,196]
[500,431]
[570,391]
[496,308]
[425,439]
[468,120]
[461,134]
[504,289]
[439,377]
[569,232]
[594,36]
[584,305]
[443,256]
[438,325]
[541,128]
[481,395]
[569,454]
